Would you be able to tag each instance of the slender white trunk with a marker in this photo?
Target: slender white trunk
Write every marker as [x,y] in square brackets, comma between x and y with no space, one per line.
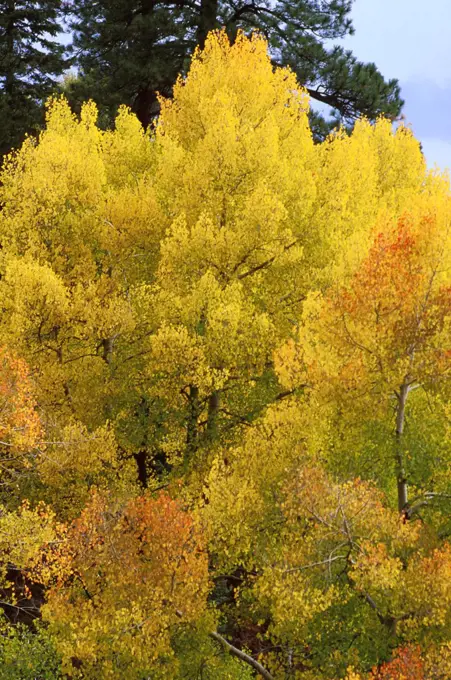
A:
[400,469]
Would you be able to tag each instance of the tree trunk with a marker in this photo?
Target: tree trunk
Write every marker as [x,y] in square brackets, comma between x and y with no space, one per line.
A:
[400,469]
[213,408]
[208,18]
[192,419]
[141,457]
[107,350]
[141,464]
[146,106]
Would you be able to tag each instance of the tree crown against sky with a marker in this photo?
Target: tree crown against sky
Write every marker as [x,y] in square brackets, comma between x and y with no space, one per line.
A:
[128,50]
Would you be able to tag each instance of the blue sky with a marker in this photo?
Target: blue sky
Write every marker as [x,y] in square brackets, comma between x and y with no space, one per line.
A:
[410,40]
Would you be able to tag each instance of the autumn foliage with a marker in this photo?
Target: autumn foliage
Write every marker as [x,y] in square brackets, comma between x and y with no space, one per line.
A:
[129,576]
[20,425]
[224,391]
[407,663]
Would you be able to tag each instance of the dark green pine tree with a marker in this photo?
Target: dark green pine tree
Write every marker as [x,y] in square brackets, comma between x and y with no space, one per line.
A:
[127,50]
[31,59]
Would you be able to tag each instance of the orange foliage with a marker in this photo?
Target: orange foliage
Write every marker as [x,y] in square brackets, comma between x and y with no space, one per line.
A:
[133,574]
[397,287]
[19,422]
[395,309]
[406,664]
[20,426]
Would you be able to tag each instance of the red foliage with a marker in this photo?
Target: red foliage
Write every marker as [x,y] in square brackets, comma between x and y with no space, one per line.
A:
[406,664]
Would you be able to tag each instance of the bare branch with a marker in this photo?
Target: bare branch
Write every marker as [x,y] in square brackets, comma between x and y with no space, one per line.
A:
[234,651]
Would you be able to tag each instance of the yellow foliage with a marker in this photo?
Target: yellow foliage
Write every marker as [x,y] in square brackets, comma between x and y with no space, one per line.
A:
[221,297]
[136,570]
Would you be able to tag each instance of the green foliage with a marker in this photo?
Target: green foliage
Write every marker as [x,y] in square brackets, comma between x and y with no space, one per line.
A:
[31,59]
[27,654]
[128,51]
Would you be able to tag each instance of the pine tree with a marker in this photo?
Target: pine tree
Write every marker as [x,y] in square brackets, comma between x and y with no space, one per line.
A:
[127,51]
[130,49]
[31,59]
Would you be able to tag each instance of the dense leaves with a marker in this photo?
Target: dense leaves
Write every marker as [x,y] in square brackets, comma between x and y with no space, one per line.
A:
[129,50]
[130,575]
[31,59]
[225,392]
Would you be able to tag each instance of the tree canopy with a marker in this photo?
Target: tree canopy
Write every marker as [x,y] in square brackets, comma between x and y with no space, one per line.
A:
[127,51]
[225,391]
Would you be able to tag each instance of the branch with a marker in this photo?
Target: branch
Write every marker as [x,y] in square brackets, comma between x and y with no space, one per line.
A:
[424,501]
[234,651]
[257,10]
[333,100]
[253,9]
[267,263]
[328,560]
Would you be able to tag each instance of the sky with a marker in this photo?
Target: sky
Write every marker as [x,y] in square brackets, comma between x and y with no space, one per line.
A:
[410,40]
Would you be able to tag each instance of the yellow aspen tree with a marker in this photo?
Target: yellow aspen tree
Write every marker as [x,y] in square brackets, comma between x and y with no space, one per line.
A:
[260,217]
[381,341]
[148,277]
[264,324]
[79,229]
